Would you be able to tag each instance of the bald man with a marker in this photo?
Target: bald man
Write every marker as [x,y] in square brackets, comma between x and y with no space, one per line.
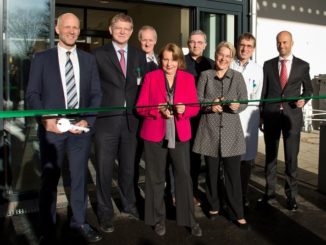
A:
[284,77]
[64,77]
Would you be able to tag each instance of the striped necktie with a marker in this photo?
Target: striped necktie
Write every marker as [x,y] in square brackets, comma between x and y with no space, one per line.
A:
[72,100]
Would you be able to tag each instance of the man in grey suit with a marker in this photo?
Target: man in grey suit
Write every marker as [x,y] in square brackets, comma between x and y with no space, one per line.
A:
[121,68]
[64,77]
[284,77]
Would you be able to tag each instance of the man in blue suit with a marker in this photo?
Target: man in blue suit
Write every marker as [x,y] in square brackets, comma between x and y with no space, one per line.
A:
[64,77]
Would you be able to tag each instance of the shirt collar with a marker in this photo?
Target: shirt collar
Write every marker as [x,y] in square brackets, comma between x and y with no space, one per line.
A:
[64,50]
[238,62]
[117,48]
[289,58]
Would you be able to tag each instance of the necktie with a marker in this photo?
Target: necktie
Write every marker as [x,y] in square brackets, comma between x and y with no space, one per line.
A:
[122,61]
[72,100]
[283,73]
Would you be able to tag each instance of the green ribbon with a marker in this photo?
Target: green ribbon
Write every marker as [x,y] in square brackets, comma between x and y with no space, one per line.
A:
[54,112]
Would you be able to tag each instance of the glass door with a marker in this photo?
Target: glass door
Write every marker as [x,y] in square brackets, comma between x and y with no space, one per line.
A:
[218,26]
[26,30]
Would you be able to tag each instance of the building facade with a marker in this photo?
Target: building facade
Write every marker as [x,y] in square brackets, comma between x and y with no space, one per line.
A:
[28,27]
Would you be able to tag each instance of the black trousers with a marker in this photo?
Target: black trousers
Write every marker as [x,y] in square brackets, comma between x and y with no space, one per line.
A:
[110,145]
[156,160]
[273,128]
[53,148]
[232,184]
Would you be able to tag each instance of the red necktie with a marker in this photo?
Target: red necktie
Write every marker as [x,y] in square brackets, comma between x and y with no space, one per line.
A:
[283,73]
[122,61]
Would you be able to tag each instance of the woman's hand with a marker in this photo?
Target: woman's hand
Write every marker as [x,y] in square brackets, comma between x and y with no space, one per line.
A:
[217,107]
[234,106]
[164,110]
[180,108]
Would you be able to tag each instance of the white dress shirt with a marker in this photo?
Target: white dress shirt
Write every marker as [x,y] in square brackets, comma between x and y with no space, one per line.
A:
[62,53]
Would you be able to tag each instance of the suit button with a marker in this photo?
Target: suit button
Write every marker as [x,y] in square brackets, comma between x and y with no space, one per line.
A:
[221,126]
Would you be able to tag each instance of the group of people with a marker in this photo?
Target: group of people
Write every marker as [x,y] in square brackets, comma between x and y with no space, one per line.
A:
[177,108]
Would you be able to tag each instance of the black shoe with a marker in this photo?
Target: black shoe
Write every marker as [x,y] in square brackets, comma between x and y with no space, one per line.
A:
[267,199]
[89,234]
[244,226]
[107,227]
[212,215]
[159,228]
[196,230]
[291,204]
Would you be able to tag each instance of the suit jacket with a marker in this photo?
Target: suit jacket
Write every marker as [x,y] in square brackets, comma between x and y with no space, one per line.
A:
[299,77]
[154,92]
[45,91]
[118,89]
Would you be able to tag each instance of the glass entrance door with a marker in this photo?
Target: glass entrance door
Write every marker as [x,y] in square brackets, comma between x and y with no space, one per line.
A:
[218,27]
[26,30]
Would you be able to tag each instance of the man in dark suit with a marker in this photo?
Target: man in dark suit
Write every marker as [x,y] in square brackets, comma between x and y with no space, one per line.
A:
[284,77]
[121,68]
[147,37]
[64,77]
[196,63]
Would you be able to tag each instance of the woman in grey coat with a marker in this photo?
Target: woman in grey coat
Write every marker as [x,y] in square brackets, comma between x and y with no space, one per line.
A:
[219,136]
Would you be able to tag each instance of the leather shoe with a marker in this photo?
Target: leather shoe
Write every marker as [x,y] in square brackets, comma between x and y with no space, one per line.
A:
[107,227]
[292,204]
[159,228]
[213,215]
[241,226]
[196,230]
[89,234]
[267,199]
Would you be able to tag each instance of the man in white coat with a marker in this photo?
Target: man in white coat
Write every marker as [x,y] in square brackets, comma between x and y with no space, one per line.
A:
[253,76]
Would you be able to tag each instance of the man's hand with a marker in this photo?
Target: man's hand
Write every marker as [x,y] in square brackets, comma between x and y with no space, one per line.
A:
[50,125]
[81,123]
[300,103]
[261,124]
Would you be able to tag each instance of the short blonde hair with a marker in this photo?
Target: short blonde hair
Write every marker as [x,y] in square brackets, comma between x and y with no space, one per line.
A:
[176,54]
[227,45]
[122,17]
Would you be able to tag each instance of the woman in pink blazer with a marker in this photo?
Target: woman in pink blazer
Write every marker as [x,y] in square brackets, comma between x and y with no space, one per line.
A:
[167,101]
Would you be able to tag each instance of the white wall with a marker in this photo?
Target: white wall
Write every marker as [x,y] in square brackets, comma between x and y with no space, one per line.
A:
[309,42]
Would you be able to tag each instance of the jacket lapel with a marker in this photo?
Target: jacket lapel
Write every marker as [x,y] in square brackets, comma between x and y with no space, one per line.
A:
[56,71]
[161,83]
[114,57]
[294,61]
[276,73]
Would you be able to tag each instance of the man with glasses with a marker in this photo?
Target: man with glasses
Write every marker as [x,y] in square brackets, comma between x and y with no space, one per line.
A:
[196,63]
[253,76]
[121,69]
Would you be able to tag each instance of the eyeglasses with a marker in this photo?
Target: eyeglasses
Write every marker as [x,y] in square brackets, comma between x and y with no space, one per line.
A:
[246,46]
[219,56]
[122,29]
[194,42]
